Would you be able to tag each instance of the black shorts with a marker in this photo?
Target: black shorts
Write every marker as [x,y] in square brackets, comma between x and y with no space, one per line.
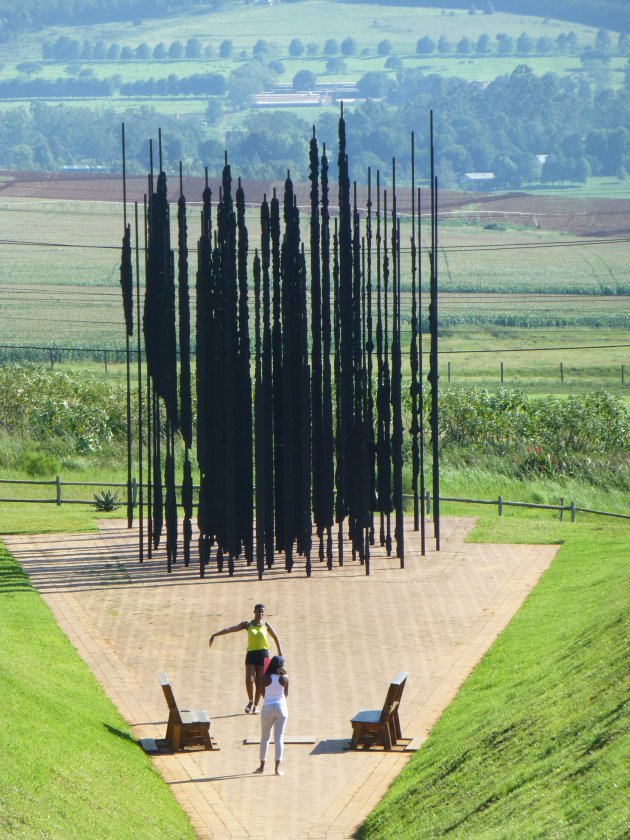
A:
[256,657]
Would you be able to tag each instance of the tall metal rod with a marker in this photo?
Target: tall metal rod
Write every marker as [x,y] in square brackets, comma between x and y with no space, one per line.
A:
[433,371]
[140,413]
[413,353]
[124,176]
[149,403]
[369,343]
[423,543]
[126,281]
[396,397]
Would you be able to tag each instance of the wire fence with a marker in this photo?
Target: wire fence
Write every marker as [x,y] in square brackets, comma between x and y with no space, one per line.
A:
[57,498]
[449,371]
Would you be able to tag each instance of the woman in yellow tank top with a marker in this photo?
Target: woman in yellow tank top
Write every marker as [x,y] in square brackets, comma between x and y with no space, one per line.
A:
[258,632]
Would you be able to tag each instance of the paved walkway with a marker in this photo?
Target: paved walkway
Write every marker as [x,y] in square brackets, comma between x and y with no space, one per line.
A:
[344,636]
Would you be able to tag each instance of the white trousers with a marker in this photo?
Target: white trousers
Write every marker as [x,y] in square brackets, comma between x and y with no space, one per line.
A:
[273,715]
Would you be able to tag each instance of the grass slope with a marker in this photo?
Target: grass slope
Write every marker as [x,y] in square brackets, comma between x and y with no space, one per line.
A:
[70,769]
[536,743]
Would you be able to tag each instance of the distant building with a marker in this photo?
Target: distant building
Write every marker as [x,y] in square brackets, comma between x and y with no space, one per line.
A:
[267,99]
[476,180]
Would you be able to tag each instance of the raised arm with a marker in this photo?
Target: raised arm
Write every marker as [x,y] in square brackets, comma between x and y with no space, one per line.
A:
[234,629]
[272,633]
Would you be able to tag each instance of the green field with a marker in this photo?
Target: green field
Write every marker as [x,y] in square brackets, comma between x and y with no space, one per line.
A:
[498,293]
[368,24]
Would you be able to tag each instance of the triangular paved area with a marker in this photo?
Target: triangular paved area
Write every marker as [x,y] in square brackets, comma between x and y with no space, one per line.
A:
[344,636]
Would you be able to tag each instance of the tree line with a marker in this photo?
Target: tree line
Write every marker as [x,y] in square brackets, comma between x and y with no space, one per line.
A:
[87,85]
[502,128]
[69,49]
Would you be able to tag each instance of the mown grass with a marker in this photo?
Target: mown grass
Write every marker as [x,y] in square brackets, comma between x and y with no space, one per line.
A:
[536,742]
[70,767]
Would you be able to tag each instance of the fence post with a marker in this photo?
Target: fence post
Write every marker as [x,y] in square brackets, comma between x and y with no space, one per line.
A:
[52,358]
[58,487]
[105,359]
[449,371]
[622,376]
[572,511]
[502,373]
[561,507]
[500,505]
[428,497]
[561,373]
[134,492]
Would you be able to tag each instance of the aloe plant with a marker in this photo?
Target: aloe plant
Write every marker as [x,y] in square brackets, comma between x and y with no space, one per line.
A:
[106,500]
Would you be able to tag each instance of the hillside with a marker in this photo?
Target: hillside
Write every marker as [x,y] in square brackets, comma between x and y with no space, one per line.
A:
[607,14]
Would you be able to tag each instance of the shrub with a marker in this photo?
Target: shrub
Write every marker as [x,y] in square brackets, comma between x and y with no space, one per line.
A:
[40,404]
[36,464]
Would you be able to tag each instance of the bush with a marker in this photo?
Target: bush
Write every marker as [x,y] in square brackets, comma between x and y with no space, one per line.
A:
[85,414]
[36,464]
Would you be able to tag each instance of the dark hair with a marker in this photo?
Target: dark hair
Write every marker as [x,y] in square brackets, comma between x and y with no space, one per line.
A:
[276,666]
[259,607]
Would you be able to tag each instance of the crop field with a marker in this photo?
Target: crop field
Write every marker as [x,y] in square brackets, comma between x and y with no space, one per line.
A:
[531,299]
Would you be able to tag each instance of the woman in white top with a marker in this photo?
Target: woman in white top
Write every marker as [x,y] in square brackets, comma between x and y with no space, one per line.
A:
[275,690]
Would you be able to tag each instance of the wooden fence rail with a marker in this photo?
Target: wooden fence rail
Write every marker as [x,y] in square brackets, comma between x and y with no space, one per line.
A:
[500,502]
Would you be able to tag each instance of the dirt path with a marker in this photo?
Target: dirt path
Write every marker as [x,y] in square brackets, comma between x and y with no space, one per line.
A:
[344,636]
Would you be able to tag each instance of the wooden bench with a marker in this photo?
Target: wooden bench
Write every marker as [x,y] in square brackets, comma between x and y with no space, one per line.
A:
[380,727]
[185,728]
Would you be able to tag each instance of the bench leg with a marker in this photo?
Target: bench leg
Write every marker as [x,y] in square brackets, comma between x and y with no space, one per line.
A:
[207,740]
[356,737]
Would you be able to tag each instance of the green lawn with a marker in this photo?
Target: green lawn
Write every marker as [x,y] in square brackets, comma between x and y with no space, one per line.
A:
[70,767]
[536,742]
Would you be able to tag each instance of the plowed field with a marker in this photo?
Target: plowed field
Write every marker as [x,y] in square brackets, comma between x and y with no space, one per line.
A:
[581,217]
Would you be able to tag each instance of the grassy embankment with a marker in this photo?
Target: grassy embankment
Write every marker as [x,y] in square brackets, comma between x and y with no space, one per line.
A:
[536,743]
[70,767]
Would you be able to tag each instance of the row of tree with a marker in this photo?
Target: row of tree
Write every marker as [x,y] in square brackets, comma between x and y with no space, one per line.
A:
[65,48]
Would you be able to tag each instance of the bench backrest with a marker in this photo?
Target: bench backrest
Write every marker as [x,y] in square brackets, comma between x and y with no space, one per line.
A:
[170,697]
[394,694]
[396,688]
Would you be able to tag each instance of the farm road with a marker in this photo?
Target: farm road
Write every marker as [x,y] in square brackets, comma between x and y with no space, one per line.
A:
[344,636]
